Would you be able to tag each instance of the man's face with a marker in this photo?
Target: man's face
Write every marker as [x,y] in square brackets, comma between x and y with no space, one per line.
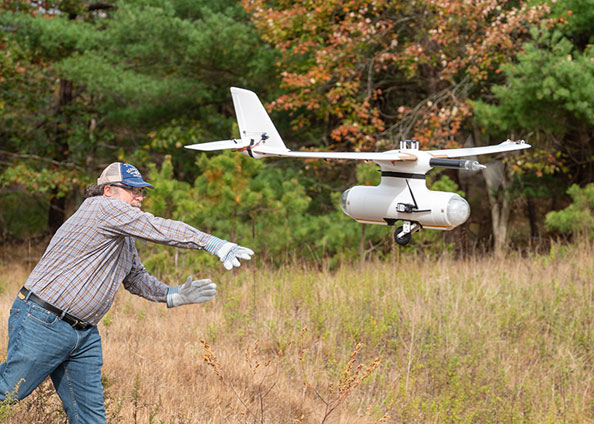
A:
[130,195]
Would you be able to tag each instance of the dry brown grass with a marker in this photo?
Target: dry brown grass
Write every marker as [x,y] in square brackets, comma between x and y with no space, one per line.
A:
[477,340]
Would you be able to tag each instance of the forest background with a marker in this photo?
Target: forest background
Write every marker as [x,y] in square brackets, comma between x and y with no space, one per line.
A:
[83,84]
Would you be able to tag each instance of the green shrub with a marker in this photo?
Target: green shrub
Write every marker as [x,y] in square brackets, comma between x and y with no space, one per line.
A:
[577,218]
[22,214]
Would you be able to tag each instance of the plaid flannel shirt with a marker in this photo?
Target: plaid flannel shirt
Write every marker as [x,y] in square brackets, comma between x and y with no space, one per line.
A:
[93,252]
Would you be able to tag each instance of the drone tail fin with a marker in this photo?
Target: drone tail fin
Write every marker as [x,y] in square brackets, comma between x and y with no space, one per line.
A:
[255,126]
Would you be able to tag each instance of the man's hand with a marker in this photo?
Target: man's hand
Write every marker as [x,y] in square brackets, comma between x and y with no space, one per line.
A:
[192,291]
[230,253]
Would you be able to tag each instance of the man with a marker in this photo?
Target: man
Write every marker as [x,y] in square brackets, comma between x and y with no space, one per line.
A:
[52,327]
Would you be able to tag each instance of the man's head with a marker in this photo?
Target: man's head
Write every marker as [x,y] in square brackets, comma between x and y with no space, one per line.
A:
[124,182]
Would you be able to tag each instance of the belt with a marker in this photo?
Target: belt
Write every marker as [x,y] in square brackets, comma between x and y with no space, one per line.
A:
[25,294]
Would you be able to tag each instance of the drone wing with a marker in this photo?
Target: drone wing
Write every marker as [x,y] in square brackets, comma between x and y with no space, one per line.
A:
[389,155]
[506,146]
[393,155]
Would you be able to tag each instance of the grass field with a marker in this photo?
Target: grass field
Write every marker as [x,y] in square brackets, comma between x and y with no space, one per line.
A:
[415,340]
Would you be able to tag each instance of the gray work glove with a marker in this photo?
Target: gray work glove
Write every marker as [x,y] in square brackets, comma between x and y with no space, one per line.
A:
[230,253]
[192,291]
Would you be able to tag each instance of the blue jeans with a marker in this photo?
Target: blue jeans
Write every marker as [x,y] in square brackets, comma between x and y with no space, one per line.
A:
[41,345]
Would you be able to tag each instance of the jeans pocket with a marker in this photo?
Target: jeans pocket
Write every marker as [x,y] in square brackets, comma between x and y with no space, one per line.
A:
[42,316]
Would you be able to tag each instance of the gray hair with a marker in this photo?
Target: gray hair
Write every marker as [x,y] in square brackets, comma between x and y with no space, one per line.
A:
[95,190]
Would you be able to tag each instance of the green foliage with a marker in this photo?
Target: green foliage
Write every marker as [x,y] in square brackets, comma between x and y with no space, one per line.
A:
[547,98]
[576,17]
[82,88]
[22,215]
[43,181]
[577,218]
[549,89]
[56,38]
[443,183]
[6,409]
[156,60]
[367,174]
[29,189]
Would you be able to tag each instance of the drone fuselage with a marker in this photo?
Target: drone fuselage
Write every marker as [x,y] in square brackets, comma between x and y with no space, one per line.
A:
[403,195]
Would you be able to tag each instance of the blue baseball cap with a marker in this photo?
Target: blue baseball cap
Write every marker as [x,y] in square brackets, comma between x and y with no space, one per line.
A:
[123,173]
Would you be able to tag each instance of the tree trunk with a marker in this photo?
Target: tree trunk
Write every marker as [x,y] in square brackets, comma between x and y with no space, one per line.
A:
[57,212]
[498,183]
[531,211]
[57,209]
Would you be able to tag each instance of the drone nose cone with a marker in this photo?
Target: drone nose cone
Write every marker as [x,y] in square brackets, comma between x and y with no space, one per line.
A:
[457,210]
[344,199]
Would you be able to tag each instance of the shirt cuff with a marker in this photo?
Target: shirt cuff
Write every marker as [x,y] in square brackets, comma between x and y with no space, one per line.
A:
[214,244]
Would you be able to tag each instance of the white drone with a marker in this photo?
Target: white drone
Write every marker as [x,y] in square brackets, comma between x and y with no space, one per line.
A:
[402,194]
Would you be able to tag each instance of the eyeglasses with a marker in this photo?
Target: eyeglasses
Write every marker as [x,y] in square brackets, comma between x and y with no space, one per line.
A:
[136,191]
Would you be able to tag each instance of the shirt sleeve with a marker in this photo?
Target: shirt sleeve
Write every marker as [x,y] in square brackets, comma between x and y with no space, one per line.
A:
[121,219]
[141,283]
